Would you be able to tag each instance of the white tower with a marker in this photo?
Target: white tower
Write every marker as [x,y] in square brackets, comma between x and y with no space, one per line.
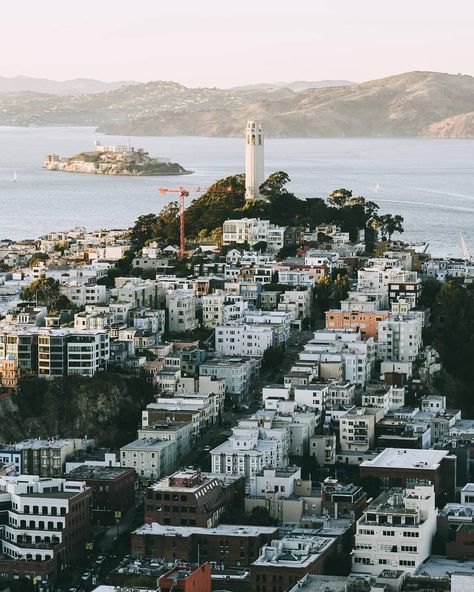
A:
[254,174]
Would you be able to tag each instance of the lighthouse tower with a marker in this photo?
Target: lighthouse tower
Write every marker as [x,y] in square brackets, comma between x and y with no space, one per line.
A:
[254,174]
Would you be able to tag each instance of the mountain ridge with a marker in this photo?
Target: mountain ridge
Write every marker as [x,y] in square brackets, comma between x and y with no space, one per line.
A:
[412,104]
[74,86]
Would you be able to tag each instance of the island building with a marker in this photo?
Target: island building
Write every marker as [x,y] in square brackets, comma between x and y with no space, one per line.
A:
[254,172]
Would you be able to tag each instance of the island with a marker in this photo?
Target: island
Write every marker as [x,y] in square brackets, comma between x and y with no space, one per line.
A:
[114,160]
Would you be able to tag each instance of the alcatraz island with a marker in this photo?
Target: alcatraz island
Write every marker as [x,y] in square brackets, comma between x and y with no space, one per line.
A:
[114,160]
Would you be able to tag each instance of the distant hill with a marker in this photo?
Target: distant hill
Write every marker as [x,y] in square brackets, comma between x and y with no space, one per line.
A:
[77,86]
[296,86]
[414,104]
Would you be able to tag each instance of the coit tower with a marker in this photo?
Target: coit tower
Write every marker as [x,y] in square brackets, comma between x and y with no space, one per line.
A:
[254,174]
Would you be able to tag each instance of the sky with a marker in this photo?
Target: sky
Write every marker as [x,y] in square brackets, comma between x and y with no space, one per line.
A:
[233,42]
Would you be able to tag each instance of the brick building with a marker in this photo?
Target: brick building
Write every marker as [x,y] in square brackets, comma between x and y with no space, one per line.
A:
[186,578]
[185,498]
[284,562]
[339,499]
[113,490]
[402,467]
[229,545]
[365,322]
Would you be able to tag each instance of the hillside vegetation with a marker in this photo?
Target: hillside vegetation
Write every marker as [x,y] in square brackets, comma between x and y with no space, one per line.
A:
[106,407]
[414,104]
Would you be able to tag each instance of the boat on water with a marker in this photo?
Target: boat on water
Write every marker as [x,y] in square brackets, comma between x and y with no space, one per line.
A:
[14,177]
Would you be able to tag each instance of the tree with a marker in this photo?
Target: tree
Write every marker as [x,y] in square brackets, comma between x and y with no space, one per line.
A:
[167,224]
[283,207]
[273,356]
[143,230]
[329,293]
[340,197]
[260,246]
[390,224]
[44,291]
[451,334]
[429,291]
[38,258]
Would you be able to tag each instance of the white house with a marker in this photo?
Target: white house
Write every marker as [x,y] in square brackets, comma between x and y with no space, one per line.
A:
[395,531]
[244,340]
[399,338]
[181,306]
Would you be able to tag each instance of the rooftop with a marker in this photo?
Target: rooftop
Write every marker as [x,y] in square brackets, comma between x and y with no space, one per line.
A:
[317,583]
[402,458]
[439,566]
[221,530]
[97,472]
[150,443]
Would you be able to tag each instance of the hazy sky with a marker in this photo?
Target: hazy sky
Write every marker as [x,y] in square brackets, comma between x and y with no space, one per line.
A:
[230,42]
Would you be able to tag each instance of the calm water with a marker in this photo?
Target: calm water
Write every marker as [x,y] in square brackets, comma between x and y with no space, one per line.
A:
[429,182]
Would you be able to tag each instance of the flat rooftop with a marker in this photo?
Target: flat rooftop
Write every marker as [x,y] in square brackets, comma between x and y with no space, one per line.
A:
[403,458]
[150,443]
[37,444]
[440,567]
[221,530]
[97,472]
[317,583]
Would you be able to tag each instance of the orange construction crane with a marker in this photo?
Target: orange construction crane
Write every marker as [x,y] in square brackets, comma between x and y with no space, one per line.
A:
[183,194]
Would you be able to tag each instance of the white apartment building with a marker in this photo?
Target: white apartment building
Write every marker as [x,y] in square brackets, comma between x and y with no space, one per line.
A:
[92,321]
[249,450]
[244,340]
[341,354]
[181,306]
[253,231]
[298,278]
[357,428]
[237,373]
[87,352]
[301,300]
[281,481]
[399,338]
[395,531]
[389,398]
[151,458]
[182,433]
[323,448]
[42,511]
[301,426]
[138,292]
[340,393]
[361,302]
[208,408]
[82,291]
[375,280]
[279,320]
[312,396]
[434,404]
[221,308]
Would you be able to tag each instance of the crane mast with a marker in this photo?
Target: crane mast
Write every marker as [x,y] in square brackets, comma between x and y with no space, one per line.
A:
[183,194]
